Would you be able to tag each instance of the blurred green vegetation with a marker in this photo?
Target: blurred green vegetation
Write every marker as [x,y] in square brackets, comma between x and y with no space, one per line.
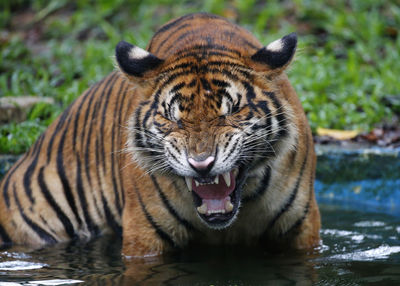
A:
[346,70]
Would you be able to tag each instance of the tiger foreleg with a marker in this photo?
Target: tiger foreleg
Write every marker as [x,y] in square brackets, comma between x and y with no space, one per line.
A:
[308,232]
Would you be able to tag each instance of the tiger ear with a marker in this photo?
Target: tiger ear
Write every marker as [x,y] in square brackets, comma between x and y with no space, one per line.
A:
[136,62]
[277,55]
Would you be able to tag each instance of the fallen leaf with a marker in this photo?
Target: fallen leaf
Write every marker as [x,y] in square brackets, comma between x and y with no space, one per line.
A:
[337,134]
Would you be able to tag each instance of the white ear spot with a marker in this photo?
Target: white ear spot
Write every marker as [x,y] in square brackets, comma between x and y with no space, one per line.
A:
[137,53]
[275,46]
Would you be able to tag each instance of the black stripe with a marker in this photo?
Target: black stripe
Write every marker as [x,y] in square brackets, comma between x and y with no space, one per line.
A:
[306,208]
[44,235]
[231,151]
[99,188]
[5,238]
[103,118]
[182,36]
[176,22]
[161,44]
[192,83]
[228,140]
[153,107]
[250,95]
[31,168]
[89,136]
[197,49]
[76,120]
[293,194]
[227,73]
[139,138]
[63,177]
[281,118]
[97,158]
[262,187]
[92,227]
[263,105]
[199,55]
[299,221]
[174,157]
[115,226]
[60,123]
[92,95]
[220,83]
[119,134]
[221,62]
[171,25]
[7,180]
[193,68]
[177,87]
[236,107]
[113,154]
[69,228]
[162,234]
[169,207]
[251,45]
[206,85]
[176,97]
[181,67]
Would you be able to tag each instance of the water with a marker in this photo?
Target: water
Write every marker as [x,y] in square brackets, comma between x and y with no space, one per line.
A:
[359,248]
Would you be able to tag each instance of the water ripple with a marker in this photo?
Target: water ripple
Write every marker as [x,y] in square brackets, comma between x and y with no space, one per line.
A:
[17,265]
[53,282]
[382,252]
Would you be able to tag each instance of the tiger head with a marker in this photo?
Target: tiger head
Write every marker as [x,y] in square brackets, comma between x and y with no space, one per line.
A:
[210,115]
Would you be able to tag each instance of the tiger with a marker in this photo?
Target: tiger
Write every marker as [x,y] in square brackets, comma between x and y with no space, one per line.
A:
[199,138]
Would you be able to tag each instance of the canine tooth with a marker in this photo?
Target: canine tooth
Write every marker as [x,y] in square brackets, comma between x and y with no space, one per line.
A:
[197,183]
[235,172]
[202,209]
[216,181]
[228,206]
[189,183]
[227,178]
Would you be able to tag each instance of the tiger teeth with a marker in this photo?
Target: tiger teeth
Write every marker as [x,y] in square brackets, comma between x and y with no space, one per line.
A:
[216,181]
[235,172]
[227,178]
[202,209]
[189,183]
[228,206]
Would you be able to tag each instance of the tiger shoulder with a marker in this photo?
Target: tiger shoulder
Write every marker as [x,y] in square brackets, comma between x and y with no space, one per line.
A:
[198,138]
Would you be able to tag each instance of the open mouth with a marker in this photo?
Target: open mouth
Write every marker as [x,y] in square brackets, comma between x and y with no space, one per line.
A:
[217,198]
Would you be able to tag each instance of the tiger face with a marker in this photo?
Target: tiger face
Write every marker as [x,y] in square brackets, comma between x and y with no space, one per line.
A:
[209,117]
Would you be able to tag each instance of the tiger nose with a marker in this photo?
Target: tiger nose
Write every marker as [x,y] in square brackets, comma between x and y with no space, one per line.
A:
[202,166]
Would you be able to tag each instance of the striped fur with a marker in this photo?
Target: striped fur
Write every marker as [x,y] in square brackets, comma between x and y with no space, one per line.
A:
[116,159]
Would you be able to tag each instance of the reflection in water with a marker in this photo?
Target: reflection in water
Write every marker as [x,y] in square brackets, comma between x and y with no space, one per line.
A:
[358,249]
[223,266]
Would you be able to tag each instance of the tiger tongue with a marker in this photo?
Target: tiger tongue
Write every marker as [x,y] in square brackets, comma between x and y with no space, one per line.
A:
[215,195]
[214,191]
[210,206]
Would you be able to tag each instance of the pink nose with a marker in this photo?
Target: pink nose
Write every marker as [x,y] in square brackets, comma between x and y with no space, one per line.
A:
[201,165]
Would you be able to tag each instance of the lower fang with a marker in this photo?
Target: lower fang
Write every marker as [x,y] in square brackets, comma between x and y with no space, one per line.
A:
[228,206]
[202,209]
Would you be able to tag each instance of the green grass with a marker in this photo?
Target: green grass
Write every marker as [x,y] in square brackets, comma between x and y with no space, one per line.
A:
[346,70]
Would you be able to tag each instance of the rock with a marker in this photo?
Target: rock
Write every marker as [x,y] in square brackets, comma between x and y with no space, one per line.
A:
[367,177]
[16,108]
